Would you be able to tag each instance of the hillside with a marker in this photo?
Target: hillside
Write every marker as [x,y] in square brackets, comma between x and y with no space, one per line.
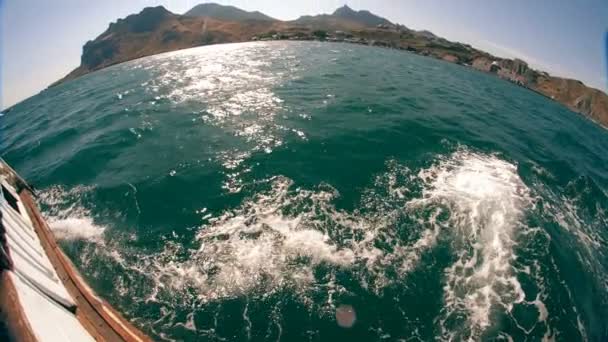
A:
[363,17]
[221,12]
[343,18]
[155,30]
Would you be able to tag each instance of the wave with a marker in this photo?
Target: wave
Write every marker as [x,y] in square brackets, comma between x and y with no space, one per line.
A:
[486,199]
[67,216]
[289,239]
[236,90]
[273,241]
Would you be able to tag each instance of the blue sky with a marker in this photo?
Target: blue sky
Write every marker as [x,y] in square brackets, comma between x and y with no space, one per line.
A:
[42,40]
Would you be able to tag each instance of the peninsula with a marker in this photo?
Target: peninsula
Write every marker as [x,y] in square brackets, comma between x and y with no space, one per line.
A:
[155,30]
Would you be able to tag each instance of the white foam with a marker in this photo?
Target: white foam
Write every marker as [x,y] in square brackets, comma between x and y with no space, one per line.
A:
[486,199]
[277,239]
[543,313]
[587,231]
[257,246]
[66,215]
[74,228]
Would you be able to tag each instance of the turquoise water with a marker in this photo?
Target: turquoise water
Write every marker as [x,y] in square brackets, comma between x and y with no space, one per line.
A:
[269,191]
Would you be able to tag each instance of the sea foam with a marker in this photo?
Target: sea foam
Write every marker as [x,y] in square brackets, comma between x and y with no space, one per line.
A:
[486,199]
[276,239]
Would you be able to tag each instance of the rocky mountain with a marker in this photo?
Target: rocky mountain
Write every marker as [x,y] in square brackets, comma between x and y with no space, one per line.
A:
[155,30]
[221,12]
[363,17]
[342,18]
[426,34]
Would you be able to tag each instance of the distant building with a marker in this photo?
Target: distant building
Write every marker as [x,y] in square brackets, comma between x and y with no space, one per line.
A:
[495,67]
[382,26]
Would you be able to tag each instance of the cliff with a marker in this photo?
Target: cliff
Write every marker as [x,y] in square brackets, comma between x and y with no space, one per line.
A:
[572,93]
[576,96]
[155,30]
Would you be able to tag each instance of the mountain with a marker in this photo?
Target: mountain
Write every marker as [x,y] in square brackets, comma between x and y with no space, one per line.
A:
[363,17]
[221,12]
[155,30]
[426,34]
[342,18]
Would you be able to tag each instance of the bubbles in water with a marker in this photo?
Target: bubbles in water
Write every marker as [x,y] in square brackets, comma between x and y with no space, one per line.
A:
[286,239]
[486,199]
[68,218]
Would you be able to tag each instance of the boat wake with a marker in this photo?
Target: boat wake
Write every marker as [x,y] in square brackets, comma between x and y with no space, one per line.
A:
[66,215]
[285,239]
[486,200]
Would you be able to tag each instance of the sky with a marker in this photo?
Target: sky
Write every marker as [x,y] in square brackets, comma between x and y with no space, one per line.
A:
[41,40]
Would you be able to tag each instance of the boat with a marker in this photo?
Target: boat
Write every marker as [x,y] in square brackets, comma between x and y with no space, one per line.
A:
[42,295]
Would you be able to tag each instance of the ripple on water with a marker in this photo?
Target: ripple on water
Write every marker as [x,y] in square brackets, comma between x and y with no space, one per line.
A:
[277,239]
[235,86]
[440,240]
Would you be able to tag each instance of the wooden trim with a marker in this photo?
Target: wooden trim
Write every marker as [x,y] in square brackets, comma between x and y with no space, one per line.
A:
[6,262]
[96,315]
[11,310]
[20,182]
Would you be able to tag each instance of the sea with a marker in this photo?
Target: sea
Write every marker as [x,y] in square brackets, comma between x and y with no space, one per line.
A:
[310,191]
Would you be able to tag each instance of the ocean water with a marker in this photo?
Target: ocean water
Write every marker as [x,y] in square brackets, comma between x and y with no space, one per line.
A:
[322,192]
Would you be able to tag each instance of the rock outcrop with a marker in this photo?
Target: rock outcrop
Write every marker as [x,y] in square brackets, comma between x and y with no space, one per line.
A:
[576,96]
[572,93]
